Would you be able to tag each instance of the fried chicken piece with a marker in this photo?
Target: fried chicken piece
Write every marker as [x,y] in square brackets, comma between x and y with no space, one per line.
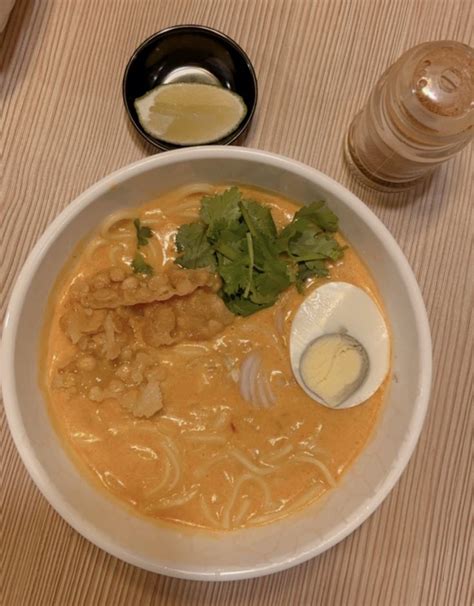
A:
[117,288]
[78,321]
[198,316]
[145,402]
[118,320]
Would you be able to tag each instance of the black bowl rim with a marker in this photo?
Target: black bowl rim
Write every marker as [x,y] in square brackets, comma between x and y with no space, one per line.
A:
[163,145]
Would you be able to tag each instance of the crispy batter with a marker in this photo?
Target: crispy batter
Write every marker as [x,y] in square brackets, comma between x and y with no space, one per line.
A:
[198,316]
[144,402]
[78,321]
[105,292]
[118,321]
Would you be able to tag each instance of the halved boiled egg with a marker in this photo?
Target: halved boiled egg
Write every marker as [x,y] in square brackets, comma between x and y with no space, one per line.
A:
[339,345]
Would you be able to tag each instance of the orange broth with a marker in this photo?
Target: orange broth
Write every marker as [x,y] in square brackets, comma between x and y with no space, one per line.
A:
[209,458]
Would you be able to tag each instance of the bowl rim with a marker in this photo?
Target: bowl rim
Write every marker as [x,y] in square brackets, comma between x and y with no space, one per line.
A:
[223,38]
[35,257]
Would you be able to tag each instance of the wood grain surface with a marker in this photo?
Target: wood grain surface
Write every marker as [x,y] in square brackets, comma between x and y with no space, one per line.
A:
[63,127]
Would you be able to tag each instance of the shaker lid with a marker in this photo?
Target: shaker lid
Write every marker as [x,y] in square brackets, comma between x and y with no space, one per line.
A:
[443,80]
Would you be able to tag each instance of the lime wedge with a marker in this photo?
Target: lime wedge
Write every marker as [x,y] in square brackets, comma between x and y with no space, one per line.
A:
[190,113]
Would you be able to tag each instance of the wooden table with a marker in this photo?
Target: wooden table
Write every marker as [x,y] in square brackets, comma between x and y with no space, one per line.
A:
[64,127]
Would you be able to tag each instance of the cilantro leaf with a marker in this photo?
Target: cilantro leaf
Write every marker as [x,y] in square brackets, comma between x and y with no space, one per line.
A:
[265,251]
[308,270]
[293,231]
[317,268]
[268,285]
[195,251]
[319,214]
[140,266]
[258,218]
[220,211]
[243,307]
[238,238]
[234,274]
[310,245]
[143,233]
[304,273]
[232,242]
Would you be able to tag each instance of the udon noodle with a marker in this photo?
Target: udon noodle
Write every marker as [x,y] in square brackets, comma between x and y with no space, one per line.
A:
[230,440]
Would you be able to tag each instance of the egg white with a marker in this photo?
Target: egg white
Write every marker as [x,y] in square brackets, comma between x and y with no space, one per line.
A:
[342,307]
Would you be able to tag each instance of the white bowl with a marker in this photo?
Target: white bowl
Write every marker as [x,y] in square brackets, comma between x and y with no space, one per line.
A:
[246,553]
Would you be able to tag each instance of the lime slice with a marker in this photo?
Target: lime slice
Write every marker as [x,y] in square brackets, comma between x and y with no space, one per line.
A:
[188,113]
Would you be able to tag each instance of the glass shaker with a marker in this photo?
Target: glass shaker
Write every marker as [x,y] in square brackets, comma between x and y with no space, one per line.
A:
[420,113]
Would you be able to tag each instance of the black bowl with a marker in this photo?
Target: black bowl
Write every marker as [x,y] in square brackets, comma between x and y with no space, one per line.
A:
[190,53]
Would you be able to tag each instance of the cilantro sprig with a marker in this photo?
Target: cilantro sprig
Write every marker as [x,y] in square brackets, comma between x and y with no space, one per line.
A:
[140,266]
[238,238]
[144,233]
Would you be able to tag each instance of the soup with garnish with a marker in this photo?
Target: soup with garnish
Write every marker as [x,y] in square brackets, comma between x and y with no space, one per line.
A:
[165,358]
